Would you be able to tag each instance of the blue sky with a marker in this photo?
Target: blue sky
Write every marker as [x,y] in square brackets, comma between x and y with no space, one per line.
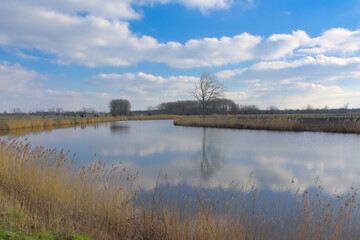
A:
[74,54]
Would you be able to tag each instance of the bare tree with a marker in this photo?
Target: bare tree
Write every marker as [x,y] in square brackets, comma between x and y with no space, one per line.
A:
[272,109]
[207,88]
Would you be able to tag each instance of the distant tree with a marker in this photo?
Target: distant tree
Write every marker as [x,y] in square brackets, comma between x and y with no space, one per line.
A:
[309,107]
[273,109]
[188,107]
[149,110]
[325,109]
[87,110]
[59,110]
[16,110]
[222,106]
[206,89]
[119,107]
[248,109]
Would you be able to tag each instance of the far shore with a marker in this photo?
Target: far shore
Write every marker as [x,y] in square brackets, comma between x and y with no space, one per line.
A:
[334,123]
[296,122]
[50,122]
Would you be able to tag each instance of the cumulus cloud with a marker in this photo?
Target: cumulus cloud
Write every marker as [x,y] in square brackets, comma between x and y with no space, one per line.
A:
[336,40]
[23,88]
[15,79]
[318,80]
[122,9]
[146,88]
[99,38]
[96,41]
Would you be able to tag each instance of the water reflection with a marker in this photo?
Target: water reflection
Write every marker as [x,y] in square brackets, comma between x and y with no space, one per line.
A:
[214,157]
[119,128]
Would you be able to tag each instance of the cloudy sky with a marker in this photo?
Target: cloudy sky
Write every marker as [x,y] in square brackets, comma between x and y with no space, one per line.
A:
[83,53]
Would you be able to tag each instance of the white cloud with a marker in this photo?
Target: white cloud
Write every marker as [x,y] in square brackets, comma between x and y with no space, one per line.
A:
[336,40]
[142,86]
[23,88]
[14,79]
[120,9]
[96,41]
[318,60]
[115,79]
[318,81]
[101,38]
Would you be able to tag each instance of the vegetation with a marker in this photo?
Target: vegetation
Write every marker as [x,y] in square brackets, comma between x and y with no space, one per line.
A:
[39,123]
[206,89]
[322,123]
[120,107]
[215,106]
[41,192]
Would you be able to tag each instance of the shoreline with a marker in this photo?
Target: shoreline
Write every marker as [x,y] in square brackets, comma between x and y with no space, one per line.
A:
[101,202]
[330,124]
[39,123]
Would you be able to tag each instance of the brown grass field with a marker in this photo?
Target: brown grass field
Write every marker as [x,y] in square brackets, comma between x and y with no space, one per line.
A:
[38,123]
[41,190]
[335,124]
[286,122]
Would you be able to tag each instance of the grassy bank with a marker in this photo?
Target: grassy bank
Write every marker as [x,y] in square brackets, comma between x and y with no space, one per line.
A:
[38,123]
[42,192]
[326,123]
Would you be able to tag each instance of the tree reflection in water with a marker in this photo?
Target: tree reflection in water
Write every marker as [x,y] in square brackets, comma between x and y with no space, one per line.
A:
[212,159]
[119,129]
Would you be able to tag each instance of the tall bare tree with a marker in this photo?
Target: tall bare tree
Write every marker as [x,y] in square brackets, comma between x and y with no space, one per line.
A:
[207,88]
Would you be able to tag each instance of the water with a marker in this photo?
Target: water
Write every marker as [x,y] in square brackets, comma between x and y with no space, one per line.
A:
[214,157]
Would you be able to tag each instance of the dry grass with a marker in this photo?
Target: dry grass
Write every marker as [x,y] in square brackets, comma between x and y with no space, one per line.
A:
[54,195]
[39,123]
[279,123]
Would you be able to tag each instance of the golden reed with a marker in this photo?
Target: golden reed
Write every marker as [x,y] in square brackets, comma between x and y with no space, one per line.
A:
[50,193]
[279,123]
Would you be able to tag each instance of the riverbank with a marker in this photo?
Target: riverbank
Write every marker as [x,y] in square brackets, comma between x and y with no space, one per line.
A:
[319,123]
[286,122]
[39,123]
[41,191]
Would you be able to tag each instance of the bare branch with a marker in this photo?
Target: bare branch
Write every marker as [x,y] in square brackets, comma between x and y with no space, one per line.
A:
[207,88]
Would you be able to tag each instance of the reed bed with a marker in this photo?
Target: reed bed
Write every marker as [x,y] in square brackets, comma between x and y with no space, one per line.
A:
[49,193]
[38,123]
[283,124]
[279,123]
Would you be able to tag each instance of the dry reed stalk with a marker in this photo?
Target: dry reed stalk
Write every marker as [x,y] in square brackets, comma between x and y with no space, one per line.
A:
[101,202]
[37,123]
[281,123]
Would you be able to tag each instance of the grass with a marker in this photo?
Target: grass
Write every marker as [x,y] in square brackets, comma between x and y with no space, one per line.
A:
[16,234]
[336,124]
[41,192]
[284,122]
[12,218]
[31,122]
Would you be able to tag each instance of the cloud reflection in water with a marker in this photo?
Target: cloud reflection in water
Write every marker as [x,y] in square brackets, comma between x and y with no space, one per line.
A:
[215,157]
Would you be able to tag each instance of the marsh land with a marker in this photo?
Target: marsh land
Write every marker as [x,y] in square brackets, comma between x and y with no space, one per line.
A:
[154,180]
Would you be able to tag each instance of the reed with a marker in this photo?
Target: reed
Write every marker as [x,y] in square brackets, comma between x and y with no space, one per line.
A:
[38,123]
[49,193]
[278,123]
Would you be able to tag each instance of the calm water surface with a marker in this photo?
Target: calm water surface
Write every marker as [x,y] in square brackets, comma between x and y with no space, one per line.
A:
[214,157]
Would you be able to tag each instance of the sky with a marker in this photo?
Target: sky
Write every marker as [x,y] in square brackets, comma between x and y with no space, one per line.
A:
[84,53]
